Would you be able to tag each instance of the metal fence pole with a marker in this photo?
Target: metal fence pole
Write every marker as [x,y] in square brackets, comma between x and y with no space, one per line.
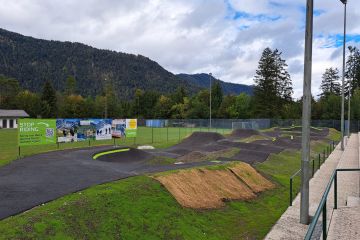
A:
[291,190]
[324,221]
[313,168]
[152,134]
[335,190]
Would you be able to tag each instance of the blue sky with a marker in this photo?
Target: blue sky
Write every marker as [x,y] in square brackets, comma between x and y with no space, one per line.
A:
[225,37]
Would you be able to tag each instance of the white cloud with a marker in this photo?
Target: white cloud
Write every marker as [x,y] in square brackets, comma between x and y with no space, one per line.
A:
[225,37]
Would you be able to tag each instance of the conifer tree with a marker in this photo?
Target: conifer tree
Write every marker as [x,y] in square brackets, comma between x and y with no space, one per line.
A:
[330,82]
[273,85]
[49,101]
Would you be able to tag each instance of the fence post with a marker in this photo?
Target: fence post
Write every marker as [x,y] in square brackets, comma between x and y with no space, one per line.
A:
[313,167]
[335,190]
[152,134]
[167,134]
[291,182]
[324,156]
[324,221]
[319,160]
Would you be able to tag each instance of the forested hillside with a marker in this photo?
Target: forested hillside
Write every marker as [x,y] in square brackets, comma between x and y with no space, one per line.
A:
[34,61]
[202,80]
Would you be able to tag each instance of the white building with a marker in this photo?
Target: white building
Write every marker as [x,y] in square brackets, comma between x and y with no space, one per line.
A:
[9,118]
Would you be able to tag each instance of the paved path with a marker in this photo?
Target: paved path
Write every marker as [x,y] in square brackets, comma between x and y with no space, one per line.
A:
[37,179]
[345,222]
[288,226]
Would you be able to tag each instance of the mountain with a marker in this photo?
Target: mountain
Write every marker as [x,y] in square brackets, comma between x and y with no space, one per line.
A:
[202,80]
[33,61]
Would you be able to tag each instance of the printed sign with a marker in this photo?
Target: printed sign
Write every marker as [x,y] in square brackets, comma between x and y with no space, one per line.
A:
[122,128]
[36,132]
[131,128]
[119,128]
[74,130]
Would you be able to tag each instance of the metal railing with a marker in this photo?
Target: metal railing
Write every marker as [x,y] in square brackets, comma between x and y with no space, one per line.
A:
[325,154]
[322,205]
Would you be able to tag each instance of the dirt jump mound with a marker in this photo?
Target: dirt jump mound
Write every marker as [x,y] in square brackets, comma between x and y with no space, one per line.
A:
[123,155]
[243,133]
[199,141]
[205,189]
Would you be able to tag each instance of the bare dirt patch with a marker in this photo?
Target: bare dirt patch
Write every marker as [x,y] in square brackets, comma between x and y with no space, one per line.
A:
[251,177]
[207,188]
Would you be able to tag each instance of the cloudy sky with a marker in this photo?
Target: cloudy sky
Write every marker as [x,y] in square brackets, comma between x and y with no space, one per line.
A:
[225,37]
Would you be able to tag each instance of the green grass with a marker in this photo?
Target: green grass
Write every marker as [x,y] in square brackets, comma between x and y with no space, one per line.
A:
[157,137]
[141,208]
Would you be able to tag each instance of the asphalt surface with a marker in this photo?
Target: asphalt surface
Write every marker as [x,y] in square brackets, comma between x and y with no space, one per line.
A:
[34,180]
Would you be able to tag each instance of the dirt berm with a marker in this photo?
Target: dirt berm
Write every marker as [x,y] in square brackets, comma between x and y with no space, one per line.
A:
[199,141]
[243,133]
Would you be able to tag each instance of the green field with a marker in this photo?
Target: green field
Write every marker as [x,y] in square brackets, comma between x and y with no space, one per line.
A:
[141,208]
[157,137]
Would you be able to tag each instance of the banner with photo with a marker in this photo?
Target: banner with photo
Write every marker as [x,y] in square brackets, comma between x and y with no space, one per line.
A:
[36,131]
[122,128]
[74,130]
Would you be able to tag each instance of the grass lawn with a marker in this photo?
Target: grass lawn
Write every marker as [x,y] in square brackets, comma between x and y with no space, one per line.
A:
[141,208]
[157,137]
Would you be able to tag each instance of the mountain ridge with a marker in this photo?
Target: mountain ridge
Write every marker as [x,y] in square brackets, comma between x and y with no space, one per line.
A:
[33,61]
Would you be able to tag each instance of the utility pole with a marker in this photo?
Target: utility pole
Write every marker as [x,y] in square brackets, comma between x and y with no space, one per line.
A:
[106,102]
[210,74]
[306,116]
[343,82]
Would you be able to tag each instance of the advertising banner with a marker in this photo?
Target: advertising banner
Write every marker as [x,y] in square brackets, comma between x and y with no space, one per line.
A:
[119,128]
[131,128]
[122,128]
[73,130]
[36,132]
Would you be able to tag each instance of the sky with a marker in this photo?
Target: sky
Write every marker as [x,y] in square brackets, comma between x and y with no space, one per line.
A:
[224,37]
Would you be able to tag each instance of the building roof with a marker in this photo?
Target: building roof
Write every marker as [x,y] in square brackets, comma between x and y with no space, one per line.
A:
[13,113]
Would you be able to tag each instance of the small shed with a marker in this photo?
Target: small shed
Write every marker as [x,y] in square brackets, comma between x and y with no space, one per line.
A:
[9,118]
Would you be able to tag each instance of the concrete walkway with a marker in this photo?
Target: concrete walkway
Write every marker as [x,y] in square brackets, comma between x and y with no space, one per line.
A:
[345,222]
[288,226]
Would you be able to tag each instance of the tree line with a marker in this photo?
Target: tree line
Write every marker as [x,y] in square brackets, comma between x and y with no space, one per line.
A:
[272,97]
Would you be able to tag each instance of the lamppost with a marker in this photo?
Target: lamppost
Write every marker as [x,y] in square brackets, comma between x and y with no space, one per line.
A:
[210,76]
[306,115]
[343,82]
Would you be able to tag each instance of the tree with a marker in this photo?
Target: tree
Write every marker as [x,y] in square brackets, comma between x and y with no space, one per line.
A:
[70,87]
[352,73]
[49,98]
[216,97]
[30,102]
[8,91]
[273,85]
[330,82]
[163,107]
[178,96]
[225,109]
[241,108]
